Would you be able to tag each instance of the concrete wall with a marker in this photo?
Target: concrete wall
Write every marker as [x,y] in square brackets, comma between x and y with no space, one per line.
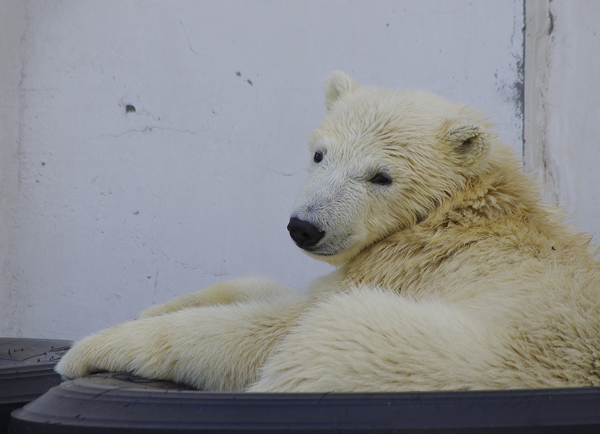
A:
[106,211]
[562,105]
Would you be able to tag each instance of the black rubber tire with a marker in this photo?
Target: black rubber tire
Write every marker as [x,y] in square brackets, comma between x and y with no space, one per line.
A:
[119,403]
[26,372]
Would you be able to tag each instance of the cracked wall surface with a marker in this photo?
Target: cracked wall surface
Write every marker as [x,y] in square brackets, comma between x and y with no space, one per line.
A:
[151,149]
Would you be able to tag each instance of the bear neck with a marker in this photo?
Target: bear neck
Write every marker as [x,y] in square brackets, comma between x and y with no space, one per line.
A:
[495,203]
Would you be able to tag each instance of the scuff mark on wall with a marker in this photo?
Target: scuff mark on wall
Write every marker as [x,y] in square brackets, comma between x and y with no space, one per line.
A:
[518,87]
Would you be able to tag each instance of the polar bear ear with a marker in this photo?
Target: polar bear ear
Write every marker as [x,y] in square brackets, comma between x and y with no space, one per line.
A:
[469,144]
[337,85]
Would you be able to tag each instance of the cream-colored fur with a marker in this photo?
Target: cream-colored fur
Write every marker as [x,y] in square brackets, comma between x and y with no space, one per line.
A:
[233,291]
[452,275]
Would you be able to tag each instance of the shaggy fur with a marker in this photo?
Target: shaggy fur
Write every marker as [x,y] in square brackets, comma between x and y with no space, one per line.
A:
[452,275]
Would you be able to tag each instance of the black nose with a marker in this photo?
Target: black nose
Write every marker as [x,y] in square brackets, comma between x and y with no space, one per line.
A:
[303,233]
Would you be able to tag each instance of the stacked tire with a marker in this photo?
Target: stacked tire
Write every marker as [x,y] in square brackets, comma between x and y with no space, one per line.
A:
[26,372]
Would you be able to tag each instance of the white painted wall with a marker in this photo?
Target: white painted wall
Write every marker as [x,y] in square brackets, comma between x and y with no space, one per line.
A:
[104,213]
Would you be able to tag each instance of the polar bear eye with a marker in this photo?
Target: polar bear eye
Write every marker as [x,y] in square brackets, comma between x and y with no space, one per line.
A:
[318,157]
[381,179]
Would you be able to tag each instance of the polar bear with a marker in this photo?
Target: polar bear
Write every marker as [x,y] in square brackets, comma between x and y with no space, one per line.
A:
[451,274]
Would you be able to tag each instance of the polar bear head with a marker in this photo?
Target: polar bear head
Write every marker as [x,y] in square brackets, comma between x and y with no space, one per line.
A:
[382,161]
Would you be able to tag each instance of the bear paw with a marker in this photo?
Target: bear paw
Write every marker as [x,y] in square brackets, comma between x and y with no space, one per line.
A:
[77,362]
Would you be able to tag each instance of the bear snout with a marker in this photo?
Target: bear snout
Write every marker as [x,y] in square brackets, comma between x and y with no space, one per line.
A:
[304,234]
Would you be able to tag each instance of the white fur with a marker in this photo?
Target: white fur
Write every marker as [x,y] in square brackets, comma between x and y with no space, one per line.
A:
[452,276]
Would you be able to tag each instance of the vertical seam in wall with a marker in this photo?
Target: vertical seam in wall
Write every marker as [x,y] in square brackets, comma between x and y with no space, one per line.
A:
[21,95]
[539,25]
[522,72]
[551,188]
[14,293]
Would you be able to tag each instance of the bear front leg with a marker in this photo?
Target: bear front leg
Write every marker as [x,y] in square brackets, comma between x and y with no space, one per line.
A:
[239,290]
[218,348]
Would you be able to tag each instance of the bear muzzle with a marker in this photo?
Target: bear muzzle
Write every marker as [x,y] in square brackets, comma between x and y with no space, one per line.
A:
[304,234]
